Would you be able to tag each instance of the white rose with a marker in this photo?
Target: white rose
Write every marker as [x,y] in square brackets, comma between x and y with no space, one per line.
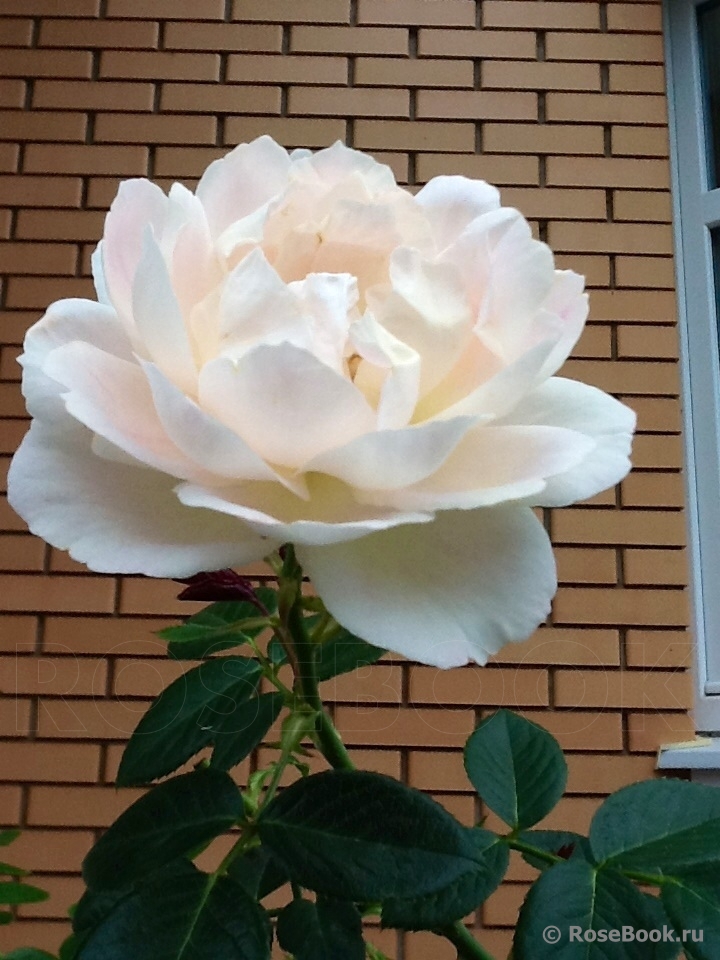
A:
[303,352]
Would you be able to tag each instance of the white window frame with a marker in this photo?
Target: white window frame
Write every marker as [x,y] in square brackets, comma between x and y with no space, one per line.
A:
[696,210]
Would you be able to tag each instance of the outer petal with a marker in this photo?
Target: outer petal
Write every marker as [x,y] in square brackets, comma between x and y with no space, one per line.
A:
[242,181]
[493,464]
[116,518]
[285,403]
[443,593]
[451,203]
[599,416]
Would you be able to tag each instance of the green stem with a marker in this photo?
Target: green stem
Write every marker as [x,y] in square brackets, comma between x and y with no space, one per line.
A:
[536,852]
[466,945]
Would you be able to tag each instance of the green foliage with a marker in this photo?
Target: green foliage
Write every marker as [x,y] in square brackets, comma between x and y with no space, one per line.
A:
[343,653]
[259,872]
[27,953]
[187,716]
[237,735]
[517,768]
[219,627]
[169,821]
[326,930]
[561,843]
[15,892]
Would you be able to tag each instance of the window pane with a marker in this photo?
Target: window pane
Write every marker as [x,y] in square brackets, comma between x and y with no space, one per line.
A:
[709,29]
[715,234]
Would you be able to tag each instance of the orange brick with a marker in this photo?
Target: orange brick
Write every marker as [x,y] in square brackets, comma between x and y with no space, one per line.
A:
[17,632]
[606,172]
[160,65]
[19,190]
[607,108]
[428,13]
[621,527]
[551,15]
[578,565]
[656,414]
[615,47]
[42,934]
[55,676]
[43,258]
[653,272]
[19,553]
[11,433]
[564,645]
[655,567]
[506,74]
[51,8]
[381,683]
[392,71]
[49,762]
[595,269]
[349,102]
[501,908]
[121,636]
[150,128]
[144,677]
[185,162]
[247,68]
[435,770]
[648,341]
[542,138]
[657,690]
[375,726]
[596,342]
[293,11]
[38,292]
[75,806]
[290,131]
[633,306]
[651,649]
[14,714]
[86,159]
[479,43]
[415,135]
[636,78]
[46,63]
[640,141]
[626,376]
[92,594]
[17,33]
[64,893]
[553,203]
[98,33]
[611,237]
[350,40]
[210,98]
[646,731]
[12,93]
[653,490]
[52,850]
[653,451]
[635,17]
[9,155]
[59,225]
[633,607]
[476,104]
[167,9]
[9,520]
[476,686]
[10,800]
[92,719]
[646,206]
[261,38]
[92,95]
[426,946]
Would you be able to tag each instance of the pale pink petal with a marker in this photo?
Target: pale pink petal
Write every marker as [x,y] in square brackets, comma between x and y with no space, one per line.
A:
[242,181]
[192,260]
[441,593]
[328,302]
[112,398]
[388,373]
[452,202]
[337,162]
[569,303]
[493,464]
[117,518]
[597,415]
[393,459]
[159,320]
[287,404]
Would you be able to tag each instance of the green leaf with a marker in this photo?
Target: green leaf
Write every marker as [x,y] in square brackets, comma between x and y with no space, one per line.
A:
[218,627]
[658,826]
[276,652]
[162,825]
[363,836]
[562,843]
[183,719]
[5,917]
[342,654]
[517,768]
[259,872]
[8,836]
[70,947]
[692,902]
[182,914]
[458,898]
[12,893]
[574,897]
[27,953]
[237,734]
[326,930]
[8,870]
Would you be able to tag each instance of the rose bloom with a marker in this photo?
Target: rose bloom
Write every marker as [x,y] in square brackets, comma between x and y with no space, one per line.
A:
[302,351]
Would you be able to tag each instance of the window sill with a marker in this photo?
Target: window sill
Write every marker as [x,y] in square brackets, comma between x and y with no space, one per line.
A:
[701,756]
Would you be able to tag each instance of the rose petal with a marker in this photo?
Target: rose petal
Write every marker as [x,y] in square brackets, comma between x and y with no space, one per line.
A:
[388,374]
[287,404]
[593,413]
[452,202]
[443,593]
[116,518]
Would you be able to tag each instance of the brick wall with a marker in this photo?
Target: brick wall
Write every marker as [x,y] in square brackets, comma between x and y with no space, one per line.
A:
[559,103]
